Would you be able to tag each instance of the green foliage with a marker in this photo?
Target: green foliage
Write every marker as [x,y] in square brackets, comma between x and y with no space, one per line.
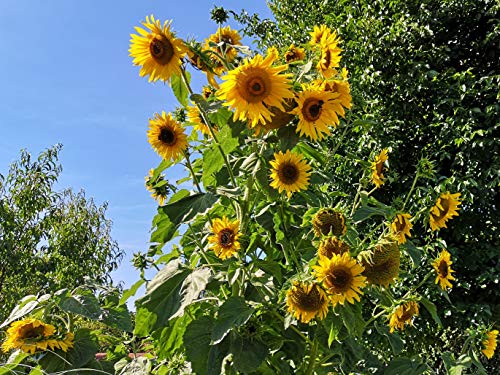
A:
[44,233]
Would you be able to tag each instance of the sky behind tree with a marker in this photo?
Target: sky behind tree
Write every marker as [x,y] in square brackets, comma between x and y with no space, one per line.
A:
[67,77]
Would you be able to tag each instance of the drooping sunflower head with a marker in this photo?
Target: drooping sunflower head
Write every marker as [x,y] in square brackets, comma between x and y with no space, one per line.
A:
[403,314]
[328,221]
[342,88]
[443,210]
[330,246]
[255,86]
[378,168]
[157,50]
[401,226]
[194,117]
[225,237]
[318,33]
[444,272]
[342,278]
[160,192]
[29,335]
[490,343]
[289,172]
[225,40]
[330,56]
[383,267]
[306,301]
[167,136]
[280,118]
[294,54]
[317,111]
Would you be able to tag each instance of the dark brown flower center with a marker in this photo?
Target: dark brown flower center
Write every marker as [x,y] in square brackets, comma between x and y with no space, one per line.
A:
[339,280]
[310,302]
[256,86]
[327,57]
[30,332]
[290,56]
[226,238]
[288,173]
[443,269]
[161,50]
[167,136]
[312,109]
[328,220]
[408,312]
[331,246]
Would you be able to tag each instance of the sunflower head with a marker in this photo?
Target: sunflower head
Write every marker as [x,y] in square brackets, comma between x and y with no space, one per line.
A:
[330,246]
[330,56]
[319,33]
[328,221]
[157,50]
[306,301]
[255,86]
[280,118]
[294,54]
[444,272]
[401,226]
[443,210]
[342,88]
[378,168]
[224,39]
[167,136]
[29,335]
[225,237]
[341,277]
[289,172]
[490,343]
[160,192]
[403,314]
[383,267]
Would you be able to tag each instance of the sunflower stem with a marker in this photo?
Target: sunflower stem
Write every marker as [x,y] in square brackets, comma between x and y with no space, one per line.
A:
[373,318]
[341,138]
[295,329]
[312,358]
[288,255]
[411,190]
[191,170]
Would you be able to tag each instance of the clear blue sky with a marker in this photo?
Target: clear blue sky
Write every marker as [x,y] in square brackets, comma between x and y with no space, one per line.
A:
[66,77]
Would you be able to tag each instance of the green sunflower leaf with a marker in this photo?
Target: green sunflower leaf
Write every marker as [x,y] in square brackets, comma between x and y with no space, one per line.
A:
[248,354]
[233,313]
[180,89]
[431,308]
[197,343]
[191,288]
[405,366]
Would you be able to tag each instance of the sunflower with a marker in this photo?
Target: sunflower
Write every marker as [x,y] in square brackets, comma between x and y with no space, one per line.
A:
[332,245]
[444,272]
[226,39]
[329,221]
[378,168]
[199,60]
[279,120]
[207,92]
[341,277]
[343,89]
[289,172]
[157,50]
[255,86]
[30,335]
[194,117]
[444,209]
[317,110]
[225,238]
[318,33]
[402,315]
[167,136]
[158,193]
[330,56]
[490,343]
[294,54]
[401,227]
[306,301]
[383,267]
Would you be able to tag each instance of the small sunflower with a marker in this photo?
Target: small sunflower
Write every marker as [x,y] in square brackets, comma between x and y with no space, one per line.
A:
[317,110]
[157,50]
[401,227]
[330,56]
[343,89]
[225,239]
[167,136]
[207,92]
[329,221]
[294,54]
[490,343]
[402,315]
[332,245]
[443,269]
[342,278]
[318,33]
[226,39]
[378,168]
[30,335]
[443,210]
[255,86]
[194,117]
[306,301]
[289,172]
[383,267]
[158,193]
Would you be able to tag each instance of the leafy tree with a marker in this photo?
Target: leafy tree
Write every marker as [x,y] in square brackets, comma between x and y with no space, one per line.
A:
[49,240]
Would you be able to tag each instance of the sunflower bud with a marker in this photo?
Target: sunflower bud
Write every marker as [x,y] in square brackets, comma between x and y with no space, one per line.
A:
[180,114]
[328,221]
[219,14]
[384,265]
[332,245]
